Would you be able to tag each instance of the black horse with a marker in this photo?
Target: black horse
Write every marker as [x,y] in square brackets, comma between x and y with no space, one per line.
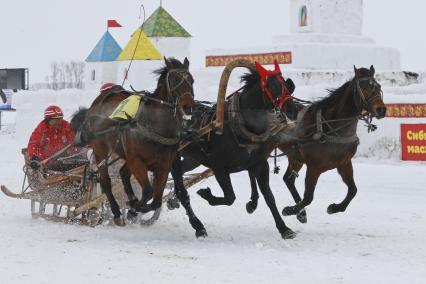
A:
[325,138]
[242,145]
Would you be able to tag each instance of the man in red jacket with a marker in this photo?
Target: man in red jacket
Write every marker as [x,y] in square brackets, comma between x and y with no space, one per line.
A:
[51,135]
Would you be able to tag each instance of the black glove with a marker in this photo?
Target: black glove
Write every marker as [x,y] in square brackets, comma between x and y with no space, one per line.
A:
[35,163]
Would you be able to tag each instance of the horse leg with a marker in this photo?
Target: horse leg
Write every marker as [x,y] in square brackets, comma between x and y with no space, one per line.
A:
[311,180]
[158,184]
[289,179]
[262,177]
[125,175]
[225,183]
[183,197]
[252,204]
[140,171]
[187,164]
[346,172]
[105,182]
[132,202]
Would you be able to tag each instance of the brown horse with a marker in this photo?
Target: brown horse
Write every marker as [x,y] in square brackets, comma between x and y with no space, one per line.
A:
[149,143]
[325,138]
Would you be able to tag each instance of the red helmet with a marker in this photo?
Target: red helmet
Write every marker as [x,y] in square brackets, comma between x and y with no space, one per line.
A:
[107,86]
[53,112]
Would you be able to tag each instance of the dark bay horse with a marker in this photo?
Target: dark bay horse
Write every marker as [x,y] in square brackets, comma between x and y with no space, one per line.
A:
[149,143]
[325,138]
[242,145]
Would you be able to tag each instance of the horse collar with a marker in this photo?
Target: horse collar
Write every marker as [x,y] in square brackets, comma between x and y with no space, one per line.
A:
[237,122]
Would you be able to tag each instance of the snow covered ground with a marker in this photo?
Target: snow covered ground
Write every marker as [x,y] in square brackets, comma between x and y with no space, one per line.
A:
[380,239]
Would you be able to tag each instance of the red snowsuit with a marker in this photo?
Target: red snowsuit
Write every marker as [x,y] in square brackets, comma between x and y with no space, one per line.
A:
[46,140]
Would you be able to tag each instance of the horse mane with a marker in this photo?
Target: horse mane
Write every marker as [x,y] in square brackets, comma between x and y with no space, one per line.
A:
[250,79]
[162,72]
[78,118]
[333,97]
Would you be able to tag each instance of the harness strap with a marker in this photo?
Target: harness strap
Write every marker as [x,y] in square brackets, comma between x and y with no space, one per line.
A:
[319,123]
[151,135]
[340,139]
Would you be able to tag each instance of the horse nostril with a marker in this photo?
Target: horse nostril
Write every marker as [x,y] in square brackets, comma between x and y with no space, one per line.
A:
[187,110]
[381,111]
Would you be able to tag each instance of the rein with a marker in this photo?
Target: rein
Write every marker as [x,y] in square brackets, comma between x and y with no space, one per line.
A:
[145,131]
[146,97]
[237,123]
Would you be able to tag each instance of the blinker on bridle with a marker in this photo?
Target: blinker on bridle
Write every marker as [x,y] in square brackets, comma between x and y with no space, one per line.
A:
[366,100]
[184,78]
[264,76]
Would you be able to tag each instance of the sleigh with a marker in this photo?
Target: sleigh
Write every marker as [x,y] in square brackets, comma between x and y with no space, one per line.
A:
[75,196]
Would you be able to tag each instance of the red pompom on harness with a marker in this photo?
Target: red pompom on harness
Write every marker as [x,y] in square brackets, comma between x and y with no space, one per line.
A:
[264,75]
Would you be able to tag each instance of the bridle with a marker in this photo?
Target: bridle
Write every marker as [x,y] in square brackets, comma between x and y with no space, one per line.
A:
[173,101]
[366,100]
[281,99]
[264,77]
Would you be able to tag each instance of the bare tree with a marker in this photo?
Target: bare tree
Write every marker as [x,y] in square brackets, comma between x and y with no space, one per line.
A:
[54,67]
[69,75]
[62,78]
[66,75]
[78,68]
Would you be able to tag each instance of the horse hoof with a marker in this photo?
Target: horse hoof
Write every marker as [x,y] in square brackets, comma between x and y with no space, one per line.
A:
[251,207]
[173,203]
[132,215]
[201,233]
[288,234]
[332,209]
[132,203]
[288,211]
[119,222]
[205,192]
[144,209]
[301,216]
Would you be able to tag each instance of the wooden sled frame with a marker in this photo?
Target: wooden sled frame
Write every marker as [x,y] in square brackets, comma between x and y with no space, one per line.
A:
[91,208]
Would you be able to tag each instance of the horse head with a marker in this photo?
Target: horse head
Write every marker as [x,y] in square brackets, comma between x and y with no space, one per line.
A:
[275,89]
[177,83]
[276,92]
[290,108]
[369,92]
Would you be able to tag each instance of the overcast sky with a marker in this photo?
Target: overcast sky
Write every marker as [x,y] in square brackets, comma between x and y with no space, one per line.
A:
[34,33]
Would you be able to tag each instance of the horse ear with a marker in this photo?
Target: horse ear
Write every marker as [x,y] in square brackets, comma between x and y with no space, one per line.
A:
[260,70]
[168,63]
[356,71]
[277,66]
[372,70]
[186,63]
